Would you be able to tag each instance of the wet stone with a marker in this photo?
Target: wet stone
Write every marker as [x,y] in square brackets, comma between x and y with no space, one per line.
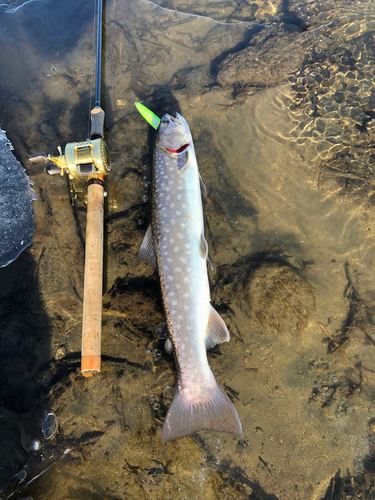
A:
[22,475]
[161,331]
[35,445]
[49,425]
[60,353]
[157,354]
[167,392]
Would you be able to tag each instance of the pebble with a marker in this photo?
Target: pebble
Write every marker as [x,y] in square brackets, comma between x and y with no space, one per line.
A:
[49,425]
[157,354]
[61,352]
[35,445]
[167,391]
[22,475]
[121,102]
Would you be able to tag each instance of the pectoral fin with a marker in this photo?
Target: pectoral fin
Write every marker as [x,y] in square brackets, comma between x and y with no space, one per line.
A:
[182,162]
[217,330]
[146,250]
[203,248]
[203,186]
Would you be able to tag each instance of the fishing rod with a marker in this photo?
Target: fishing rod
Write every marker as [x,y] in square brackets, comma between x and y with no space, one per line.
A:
[88,160]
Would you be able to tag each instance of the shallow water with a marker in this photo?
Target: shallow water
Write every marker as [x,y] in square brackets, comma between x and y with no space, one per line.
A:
[280,100]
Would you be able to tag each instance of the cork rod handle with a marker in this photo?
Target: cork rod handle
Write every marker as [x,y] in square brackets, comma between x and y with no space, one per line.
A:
[93,284]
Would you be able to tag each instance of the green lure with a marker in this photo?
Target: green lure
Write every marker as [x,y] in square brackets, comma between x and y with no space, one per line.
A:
[148,115]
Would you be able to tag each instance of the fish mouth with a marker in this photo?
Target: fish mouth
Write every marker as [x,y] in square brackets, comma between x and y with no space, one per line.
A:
[169,118]
[175,119]
[179,150]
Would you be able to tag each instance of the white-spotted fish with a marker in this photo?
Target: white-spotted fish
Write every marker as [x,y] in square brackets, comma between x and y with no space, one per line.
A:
[175,245]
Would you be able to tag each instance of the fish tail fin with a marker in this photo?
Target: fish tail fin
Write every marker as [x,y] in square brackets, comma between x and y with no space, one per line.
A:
[185,418]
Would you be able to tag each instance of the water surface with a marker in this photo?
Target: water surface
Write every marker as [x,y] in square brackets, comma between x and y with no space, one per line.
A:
[279,97]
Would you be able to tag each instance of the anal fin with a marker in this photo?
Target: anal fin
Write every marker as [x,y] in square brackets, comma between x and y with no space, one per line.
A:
[217,330]
[146,250]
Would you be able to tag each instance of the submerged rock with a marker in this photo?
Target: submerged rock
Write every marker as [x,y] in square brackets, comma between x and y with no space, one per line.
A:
[271,56]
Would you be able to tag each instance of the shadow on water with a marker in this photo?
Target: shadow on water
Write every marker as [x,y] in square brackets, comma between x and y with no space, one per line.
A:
[24,348]
[61,23]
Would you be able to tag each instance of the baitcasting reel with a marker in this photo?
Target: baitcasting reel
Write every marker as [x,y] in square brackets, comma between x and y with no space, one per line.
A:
[81,159]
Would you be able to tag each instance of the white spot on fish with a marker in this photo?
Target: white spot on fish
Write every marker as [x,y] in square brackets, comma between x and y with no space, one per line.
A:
[169,259]
[186,295]
[186,279]
[182,259]
[179,197]
[176,248]
[174,303]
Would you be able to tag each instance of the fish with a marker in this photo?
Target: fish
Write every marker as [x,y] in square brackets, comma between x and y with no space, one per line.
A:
[176,246]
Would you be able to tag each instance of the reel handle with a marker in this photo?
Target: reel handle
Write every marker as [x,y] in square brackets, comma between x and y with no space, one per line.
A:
[53,169]
[37,159]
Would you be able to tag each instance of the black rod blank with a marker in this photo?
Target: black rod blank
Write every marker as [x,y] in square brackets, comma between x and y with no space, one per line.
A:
[99,54]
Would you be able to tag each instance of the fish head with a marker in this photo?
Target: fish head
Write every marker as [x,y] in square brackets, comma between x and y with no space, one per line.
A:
[174,133]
